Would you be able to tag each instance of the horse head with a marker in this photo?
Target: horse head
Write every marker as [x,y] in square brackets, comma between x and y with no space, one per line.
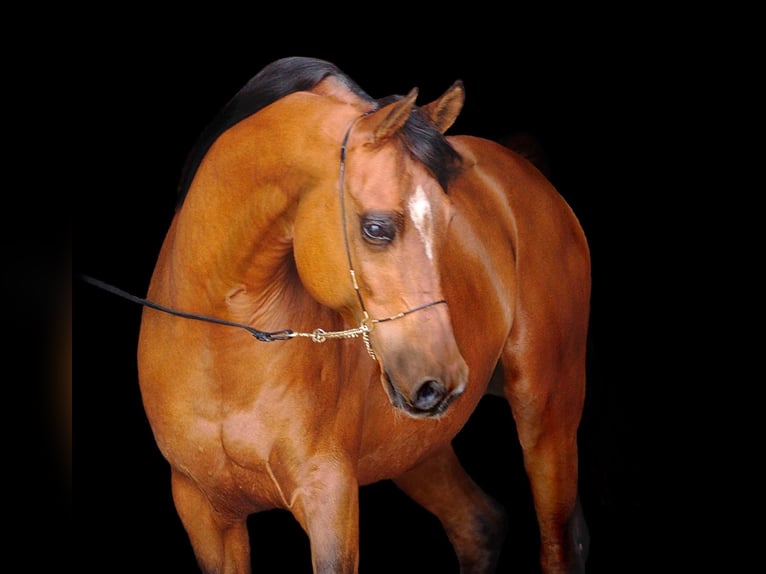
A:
[385,231]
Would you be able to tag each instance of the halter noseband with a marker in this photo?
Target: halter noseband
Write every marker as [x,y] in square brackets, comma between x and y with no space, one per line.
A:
[318,335]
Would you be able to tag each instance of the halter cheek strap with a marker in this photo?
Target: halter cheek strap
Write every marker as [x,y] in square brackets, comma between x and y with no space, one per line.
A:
[342,197]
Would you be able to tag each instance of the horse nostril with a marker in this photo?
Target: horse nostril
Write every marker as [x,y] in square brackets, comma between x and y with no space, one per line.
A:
[430,394]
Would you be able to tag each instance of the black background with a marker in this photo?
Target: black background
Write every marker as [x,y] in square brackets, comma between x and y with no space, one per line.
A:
[597,102]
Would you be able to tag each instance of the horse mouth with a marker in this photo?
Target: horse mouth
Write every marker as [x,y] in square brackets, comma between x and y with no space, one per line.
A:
[399,401]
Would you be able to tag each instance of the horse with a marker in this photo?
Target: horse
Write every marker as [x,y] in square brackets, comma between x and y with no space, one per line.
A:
[358,278]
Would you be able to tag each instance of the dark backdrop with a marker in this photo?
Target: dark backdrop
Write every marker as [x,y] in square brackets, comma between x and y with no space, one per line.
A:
[590,101]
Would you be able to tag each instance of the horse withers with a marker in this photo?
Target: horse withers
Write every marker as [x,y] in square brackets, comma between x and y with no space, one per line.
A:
[398,268]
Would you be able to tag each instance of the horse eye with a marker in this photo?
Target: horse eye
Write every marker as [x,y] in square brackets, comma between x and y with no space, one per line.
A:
[378,230]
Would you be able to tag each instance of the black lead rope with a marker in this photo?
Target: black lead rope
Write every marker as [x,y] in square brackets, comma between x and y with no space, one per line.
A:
[265,336]
[283,335]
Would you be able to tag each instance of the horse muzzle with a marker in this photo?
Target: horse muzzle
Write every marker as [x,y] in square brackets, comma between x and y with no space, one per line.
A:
[430,396]
[421,368]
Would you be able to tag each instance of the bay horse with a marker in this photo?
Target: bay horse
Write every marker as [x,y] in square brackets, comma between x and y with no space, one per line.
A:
[380,271]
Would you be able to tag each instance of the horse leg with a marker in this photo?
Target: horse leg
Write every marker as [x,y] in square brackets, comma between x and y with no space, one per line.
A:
[221,545]
[475,523]
[547,414]
[325,502]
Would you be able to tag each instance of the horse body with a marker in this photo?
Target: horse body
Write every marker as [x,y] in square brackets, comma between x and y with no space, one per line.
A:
[259,239]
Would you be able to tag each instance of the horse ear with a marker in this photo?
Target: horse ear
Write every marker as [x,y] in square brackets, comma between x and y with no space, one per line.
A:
[444,111]
[385,122]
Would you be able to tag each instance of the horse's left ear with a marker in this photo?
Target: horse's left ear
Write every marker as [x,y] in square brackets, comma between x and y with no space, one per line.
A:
[444,111]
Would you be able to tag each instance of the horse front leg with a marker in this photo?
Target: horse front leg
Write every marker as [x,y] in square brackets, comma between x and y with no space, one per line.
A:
[325,501]
[547,418]
[475,523]
[564,537]
[221,544]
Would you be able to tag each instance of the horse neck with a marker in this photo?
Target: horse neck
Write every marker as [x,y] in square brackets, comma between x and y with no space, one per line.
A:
[232,239]
[231,242]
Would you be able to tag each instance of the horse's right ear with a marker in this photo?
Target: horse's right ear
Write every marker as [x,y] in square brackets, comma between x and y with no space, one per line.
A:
[385,122]
[444,111]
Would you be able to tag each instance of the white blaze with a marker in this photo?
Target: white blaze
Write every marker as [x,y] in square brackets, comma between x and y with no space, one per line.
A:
[422,217]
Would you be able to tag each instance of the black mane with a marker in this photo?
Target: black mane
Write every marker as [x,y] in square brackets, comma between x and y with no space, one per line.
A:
[275,81]
[294,74]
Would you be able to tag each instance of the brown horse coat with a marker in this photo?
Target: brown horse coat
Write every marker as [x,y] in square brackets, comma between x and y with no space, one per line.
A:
[259,240]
